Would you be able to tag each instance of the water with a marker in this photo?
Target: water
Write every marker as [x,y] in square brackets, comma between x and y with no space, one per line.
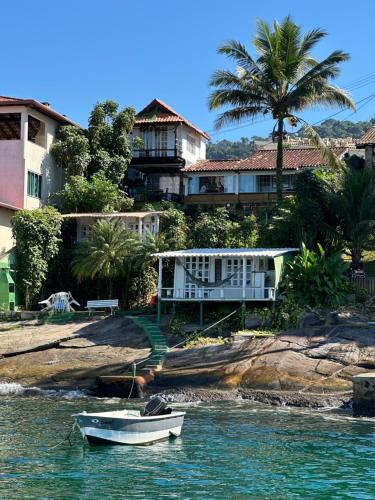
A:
[228,450]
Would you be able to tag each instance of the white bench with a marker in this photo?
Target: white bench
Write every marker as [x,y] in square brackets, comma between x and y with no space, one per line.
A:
[112,304]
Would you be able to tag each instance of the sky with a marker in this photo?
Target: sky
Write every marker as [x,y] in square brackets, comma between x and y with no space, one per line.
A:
[75,53]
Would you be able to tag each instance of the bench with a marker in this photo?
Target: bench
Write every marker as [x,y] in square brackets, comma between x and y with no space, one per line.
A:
[112,304]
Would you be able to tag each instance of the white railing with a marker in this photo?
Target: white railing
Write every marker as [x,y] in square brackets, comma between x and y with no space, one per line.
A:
[229,293]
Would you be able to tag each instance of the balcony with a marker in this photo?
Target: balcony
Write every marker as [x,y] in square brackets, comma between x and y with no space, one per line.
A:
[158,156]
[141,194]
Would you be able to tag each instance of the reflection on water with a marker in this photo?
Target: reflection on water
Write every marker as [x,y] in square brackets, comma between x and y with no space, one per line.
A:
[228,450]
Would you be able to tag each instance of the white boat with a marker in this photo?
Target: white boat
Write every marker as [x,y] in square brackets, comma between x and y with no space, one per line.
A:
[130,427]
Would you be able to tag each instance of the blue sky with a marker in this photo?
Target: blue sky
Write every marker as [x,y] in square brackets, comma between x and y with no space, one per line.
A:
[75,53]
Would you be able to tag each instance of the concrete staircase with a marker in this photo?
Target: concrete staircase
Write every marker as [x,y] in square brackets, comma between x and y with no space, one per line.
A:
[158,343]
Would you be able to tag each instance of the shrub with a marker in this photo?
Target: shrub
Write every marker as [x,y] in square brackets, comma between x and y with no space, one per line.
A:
[315,278]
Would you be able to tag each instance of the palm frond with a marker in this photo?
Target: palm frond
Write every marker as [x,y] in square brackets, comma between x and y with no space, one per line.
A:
[237,51]
[327,153]
[236,115]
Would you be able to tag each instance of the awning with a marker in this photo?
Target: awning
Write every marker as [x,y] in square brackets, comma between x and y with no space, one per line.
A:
[227,252]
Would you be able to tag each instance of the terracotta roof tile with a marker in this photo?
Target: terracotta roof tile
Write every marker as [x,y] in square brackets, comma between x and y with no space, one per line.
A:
[164,114]
[367,139]
[266,160]
[39,106]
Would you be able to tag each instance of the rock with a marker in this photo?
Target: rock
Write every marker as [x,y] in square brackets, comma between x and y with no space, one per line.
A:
[252,321]
[311,319]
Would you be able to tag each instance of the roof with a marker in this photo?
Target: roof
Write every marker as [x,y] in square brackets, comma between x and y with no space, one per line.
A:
[101,215]
[159,112]
[39,106]
[228,252]
[367,139]
[294,159]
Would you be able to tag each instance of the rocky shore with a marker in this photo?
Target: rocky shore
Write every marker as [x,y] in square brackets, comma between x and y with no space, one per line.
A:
[311,366]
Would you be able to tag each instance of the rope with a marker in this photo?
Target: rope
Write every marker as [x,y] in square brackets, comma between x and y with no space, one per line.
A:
[66,438]
[134,370]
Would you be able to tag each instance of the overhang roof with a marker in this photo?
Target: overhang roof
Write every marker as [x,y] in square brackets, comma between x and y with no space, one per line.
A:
[293,159]
[118,215]
[368,139]
[39,106]
[227,252]
[159,112]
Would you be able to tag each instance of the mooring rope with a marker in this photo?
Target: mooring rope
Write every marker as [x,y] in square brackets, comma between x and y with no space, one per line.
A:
[66,438]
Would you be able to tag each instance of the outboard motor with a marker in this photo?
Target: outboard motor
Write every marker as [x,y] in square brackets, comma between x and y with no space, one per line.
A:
[156,406]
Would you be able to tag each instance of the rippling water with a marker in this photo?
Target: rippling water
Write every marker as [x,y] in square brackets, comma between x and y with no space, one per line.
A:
[227,450]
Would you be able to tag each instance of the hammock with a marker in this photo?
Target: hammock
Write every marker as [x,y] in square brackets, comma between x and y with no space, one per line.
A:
[207,284]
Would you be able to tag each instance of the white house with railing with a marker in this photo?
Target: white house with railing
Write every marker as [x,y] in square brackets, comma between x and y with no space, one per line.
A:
[169,142]
[223,274]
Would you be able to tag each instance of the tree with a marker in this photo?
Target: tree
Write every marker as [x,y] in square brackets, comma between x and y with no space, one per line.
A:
[105,252]
[97,194]
[246,234]
[283,80]
[213,230]
[230,150]
[103,147]
[354,205]
[37,235]
[174,228]
[71,150]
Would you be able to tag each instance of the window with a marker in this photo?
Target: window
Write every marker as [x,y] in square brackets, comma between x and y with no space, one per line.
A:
[11,288]
[161,136]
[267,183]
[36,131]
[85,231]
[235,269]
[10,126]
[199,268]
[247,183]
[191,144]
[34,185]
[216,184]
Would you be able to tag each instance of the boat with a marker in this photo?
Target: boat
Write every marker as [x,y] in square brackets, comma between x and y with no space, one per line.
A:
[131,427]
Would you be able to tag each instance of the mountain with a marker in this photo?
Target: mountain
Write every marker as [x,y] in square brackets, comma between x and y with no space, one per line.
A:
[342,128]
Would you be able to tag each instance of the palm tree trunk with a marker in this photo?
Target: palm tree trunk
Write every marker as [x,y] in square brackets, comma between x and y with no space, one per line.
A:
[279,161]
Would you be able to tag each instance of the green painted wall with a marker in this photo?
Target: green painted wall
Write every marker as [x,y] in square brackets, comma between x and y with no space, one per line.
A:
[280,262]
[7,286]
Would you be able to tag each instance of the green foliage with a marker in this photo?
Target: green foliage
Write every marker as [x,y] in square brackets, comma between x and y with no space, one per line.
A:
[246,233]
[71,150]
[104,147]
[230,150]
[341,128]
[354,205]
[306,216]
[316,279]
[37,235]
[212,230]
[95,195]
[283,80]
[174,227]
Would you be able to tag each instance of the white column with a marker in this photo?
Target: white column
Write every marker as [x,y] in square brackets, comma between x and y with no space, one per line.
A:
[160,279]
[244,277]
[140,228]
[157,223]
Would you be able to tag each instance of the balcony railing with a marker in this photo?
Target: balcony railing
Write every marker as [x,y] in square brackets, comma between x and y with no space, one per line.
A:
[159,152]
[222,294]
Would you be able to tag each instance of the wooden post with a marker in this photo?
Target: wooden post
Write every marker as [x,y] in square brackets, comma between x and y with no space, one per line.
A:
[364,395]
[243,313]
[201,314]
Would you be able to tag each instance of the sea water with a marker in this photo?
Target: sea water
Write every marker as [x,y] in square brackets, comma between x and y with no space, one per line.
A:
[227,450]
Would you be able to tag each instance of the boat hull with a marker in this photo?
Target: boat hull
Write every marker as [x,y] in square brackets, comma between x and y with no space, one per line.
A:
[100,429]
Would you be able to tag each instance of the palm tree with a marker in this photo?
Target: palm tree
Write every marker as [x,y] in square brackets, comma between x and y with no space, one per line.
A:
[106,252]
[283,80]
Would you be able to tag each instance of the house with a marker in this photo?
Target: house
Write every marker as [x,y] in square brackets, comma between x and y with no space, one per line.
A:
[223,274]
[368,143]
[170,142]
[142,223]
[250,182]
[28,172]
